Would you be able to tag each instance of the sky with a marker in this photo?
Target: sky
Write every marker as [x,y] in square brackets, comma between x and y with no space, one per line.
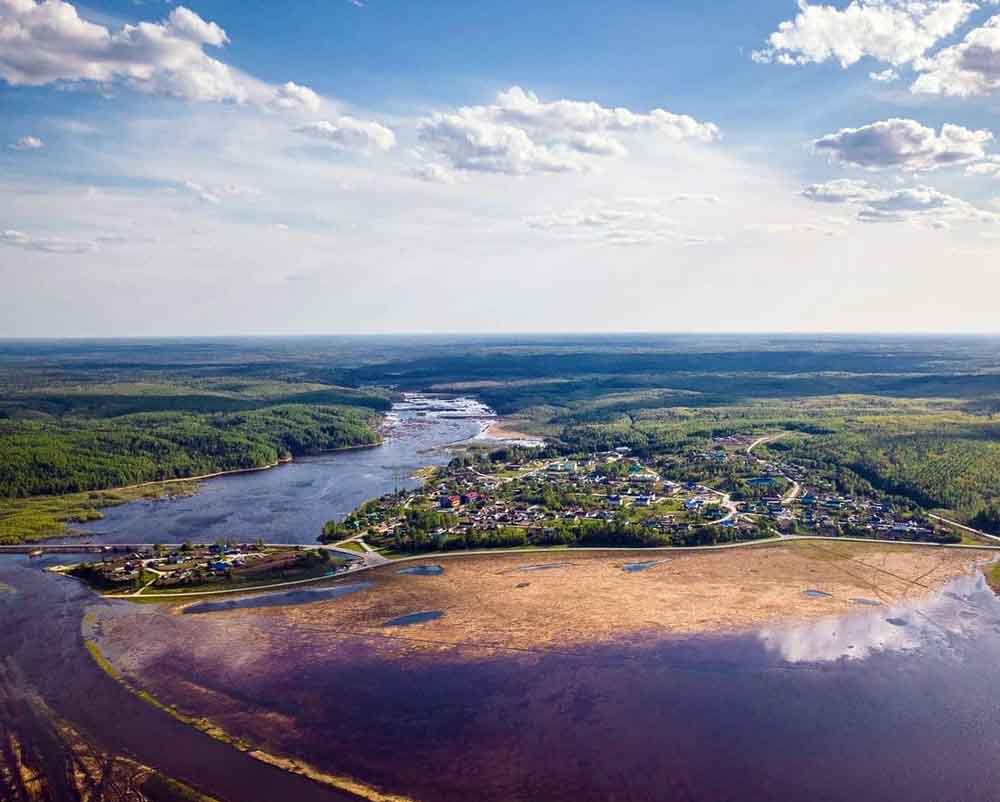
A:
[369,166]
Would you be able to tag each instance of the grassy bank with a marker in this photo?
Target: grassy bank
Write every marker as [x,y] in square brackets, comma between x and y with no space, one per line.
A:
[23,520]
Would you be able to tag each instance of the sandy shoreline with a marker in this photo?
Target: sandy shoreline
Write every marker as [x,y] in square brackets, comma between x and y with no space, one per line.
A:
[505,431]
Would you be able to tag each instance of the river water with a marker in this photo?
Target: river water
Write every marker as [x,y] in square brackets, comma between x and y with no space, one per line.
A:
[290,503]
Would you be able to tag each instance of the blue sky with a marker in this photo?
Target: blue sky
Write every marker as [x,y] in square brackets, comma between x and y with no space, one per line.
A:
[480,167]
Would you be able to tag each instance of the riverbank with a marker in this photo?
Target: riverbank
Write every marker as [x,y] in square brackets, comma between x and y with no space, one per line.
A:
[506,432]
[38,518]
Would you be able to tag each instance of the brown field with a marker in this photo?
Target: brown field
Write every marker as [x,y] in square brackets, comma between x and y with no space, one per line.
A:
[561,599]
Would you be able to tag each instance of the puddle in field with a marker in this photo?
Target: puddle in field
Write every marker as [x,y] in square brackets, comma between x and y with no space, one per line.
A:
[543,567]
[414,618]
[631,568]
[422,570]
[277,599]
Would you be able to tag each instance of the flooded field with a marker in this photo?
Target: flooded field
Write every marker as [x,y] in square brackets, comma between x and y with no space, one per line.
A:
[509,696]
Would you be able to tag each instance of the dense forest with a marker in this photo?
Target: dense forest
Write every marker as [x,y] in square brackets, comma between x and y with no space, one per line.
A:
[71,456]
[947,462]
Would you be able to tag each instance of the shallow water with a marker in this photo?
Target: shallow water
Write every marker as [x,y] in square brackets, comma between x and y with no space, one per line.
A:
[422,570]
[308,596]
[544,567]
[844,708]
[631,568]
[290,503]
[414,618]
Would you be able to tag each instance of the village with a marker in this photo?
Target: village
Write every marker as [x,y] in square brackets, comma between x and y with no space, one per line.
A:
[192,567]
[720,494]
[511,498]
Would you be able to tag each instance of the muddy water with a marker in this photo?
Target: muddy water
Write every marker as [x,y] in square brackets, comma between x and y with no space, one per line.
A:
[895,702]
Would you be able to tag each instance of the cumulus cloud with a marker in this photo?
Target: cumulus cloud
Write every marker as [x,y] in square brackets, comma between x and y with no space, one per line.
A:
[892,31]
[350,133]
[519,134]
[971,67]
[885,76]
[27,143]
[989,168]
[841,190]
[293,96]
[46,41]
[905,144]
[907,204]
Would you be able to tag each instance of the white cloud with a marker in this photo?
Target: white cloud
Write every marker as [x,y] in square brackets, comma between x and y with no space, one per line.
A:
[841,190]
[293,96]
[905,144]
[520,135]
[350,133]
[989,168]
[969,68]
[19,239]
[217,194]
[685,197]
[887,76]
[433,173]
[45,41]
[892,31]
[907,204]
[828,227]
[27,143]
[627,221]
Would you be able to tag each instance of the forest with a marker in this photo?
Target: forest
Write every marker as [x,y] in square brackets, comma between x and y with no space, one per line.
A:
[69,456]
[914,417]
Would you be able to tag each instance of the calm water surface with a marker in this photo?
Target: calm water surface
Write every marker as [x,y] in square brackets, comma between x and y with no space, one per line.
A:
[290,503]
[897,702]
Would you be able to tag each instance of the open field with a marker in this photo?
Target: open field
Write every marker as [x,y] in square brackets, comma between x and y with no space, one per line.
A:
[541,601]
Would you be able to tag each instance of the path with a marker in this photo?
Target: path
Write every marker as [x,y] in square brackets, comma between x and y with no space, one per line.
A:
[964,528]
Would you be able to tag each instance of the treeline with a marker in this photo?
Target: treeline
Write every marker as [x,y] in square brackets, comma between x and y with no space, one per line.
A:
[592,534]
[54,457]
[933,463]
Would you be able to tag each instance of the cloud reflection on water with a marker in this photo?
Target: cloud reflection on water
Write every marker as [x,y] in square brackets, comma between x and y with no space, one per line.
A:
[964,605]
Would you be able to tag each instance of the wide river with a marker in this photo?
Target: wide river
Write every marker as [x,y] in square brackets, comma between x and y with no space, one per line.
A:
[897,703]
[290,503]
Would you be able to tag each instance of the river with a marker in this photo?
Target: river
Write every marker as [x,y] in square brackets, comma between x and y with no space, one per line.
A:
[290,503]
[41,647]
